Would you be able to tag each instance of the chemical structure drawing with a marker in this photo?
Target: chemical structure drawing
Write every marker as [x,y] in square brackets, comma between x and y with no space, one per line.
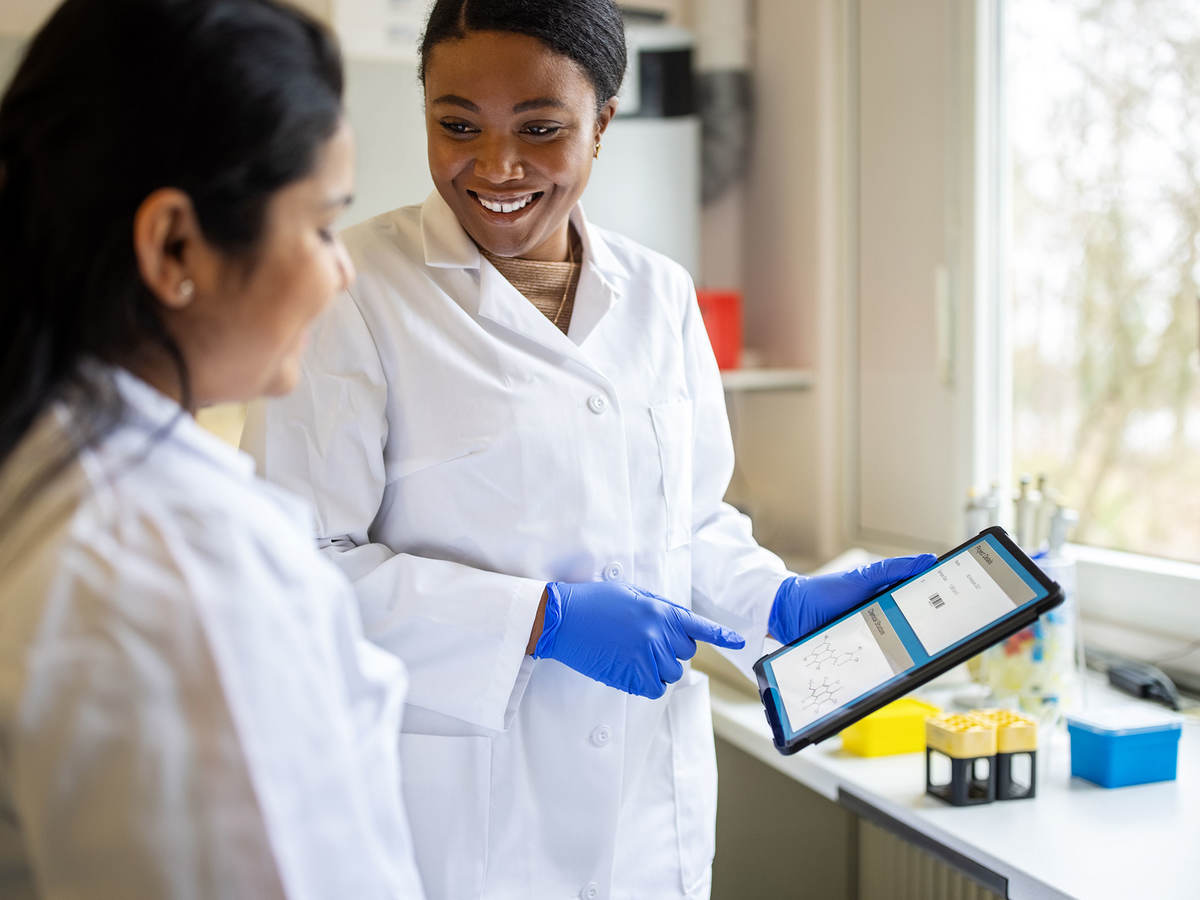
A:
[824,656]
[823,693]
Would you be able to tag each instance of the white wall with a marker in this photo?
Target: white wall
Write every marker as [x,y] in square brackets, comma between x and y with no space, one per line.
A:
[321,9]
[22,17]
[678,11]
[385,105]
[11,48]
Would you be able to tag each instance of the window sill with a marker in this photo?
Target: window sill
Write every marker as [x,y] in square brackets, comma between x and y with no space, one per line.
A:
[1153,596]
[767,379]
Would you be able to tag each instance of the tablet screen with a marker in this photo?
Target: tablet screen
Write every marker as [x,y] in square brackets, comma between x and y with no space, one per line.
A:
[915,622]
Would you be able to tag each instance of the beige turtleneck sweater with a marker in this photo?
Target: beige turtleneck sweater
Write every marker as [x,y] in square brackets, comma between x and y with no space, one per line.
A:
[550,286]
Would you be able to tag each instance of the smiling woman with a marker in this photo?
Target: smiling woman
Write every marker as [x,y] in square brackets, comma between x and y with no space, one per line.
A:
[514,432]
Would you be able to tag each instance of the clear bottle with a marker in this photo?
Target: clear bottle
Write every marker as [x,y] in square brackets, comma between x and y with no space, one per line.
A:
[1037,668]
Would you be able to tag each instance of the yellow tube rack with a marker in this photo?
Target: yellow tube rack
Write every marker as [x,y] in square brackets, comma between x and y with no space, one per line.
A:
[1015,733]
[970,738]
[960,735]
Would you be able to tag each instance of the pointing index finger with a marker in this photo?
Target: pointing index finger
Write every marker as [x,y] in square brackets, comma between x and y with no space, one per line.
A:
[702,629]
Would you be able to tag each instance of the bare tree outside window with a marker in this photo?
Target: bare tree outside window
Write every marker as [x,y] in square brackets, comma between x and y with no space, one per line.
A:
[1104,119]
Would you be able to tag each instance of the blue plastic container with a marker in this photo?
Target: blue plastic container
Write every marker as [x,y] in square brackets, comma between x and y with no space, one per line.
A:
[1123,746]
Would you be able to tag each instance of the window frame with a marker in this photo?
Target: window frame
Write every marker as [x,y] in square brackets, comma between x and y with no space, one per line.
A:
[1153,595]
[1157,598]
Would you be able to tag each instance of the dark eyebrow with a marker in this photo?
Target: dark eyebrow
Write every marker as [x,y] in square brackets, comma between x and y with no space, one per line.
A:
[538,103]
[455,100]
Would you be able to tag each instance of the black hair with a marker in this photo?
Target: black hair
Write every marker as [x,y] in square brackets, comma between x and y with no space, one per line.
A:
[225,100]
[590,32]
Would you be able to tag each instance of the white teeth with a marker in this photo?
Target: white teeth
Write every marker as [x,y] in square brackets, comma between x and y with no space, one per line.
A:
[501,207]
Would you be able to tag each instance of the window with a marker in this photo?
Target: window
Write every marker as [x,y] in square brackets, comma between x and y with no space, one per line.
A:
[1025,252]
[1103,115]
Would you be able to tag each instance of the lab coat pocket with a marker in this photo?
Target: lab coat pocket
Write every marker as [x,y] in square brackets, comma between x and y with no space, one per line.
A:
[694,760]
[673,431]
[447,793]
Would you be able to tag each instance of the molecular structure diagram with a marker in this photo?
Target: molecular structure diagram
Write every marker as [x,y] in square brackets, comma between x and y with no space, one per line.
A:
[823,656]
[822,694]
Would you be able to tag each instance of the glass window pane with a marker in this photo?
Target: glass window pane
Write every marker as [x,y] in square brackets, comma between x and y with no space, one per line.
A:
[1103,113]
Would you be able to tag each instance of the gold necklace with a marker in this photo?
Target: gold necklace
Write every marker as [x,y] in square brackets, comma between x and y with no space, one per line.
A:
[570,276]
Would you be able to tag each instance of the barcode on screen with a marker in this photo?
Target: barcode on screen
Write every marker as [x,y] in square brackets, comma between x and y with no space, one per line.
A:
[936,601]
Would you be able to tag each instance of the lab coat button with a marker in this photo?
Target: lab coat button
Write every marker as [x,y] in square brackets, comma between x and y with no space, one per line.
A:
[597,403]
[601,735]
[613,571]
[590,891]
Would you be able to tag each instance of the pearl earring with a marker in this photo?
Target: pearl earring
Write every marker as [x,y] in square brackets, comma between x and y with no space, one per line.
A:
[187,288]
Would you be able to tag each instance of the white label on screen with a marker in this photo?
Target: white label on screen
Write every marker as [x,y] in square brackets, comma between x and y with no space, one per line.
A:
[952,601]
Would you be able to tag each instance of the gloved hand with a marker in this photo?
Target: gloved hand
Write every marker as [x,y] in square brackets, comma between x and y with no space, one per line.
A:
[803,604]
[623,636]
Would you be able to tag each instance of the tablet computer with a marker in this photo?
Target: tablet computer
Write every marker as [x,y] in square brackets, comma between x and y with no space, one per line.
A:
[974,596]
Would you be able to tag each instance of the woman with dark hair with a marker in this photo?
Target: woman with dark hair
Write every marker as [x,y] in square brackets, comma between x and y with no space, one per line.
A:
[187,706]
[514,433]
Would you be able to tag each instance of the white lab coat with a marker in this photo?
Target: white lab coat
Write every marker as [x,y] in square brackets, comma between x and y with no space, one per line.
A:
[460,452]
[187,706]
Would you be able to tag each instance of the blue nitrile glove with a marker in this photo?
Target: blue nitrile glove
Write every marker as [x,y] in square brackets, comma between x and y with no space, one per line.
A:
[803,604]
[623,636]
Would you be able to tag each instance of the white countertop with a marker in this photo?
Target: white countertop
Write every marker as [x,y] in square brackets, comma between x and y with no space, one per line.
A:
[1074,839]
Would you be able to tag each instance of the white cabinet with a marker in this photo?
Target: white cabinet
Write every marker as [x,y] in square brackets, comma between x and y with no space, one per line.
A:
[918,201]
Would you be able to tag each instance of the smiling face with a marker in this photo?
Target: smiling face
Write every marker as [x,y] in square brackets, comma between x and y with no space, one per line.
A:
[512,128]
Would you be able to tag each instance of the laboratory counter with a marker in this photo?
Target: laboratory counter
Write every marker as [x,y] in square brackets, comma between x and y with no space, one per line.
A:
[1074,839]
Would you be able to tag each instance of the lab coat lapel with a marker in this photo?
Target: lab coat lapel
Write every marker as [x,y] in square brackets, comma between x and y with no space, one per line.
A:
[447,245]
[601,282]
[503,304]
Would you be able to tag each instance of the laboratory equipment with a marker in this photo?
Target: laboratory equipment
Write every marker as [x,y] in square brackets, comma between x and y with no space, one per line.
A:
[1016,751]
[981,510]
[985,748]
[970,746]
[1037,668]
[1025,510]
[1145,681]
[1062,520]
[898,727]
[1125,745]
[1049,505]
